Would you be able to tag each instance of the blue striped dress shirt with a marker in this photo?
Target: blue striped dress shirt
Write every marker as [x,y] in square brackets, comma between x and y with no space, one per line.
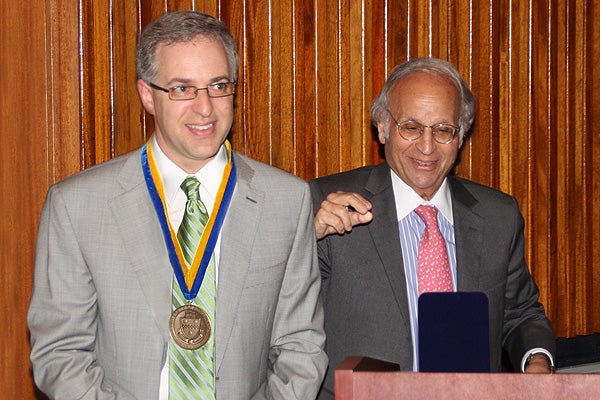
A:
[411,228]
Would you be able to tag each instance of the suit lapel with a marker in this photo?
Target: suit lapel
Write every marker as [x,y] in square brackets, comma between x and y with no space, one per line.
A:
[468,230]
[385,235]
[238,232]
[142,237]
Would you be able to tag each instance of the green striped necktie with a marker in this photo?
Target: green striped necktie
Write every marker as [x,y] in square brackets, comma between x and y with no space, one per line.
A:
[192,372]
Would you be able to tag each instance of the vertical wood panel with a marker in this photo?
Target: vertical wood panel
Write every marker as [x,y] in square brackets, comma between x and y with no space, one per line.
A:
[327,77]
[24,176]
[541,127]
[97,86]
[305,88]
[591,130]
[284,146]
[63,92]
[259,94]
[128,118]
[32,156]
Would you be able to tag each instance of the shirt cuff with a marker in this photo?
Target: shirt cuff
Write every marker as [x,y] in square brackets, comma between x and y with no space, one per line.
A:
[537,350]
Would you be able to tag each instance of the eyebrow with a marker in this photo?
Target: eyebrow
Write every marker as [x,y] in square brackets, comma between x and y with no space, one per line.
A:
[187,81]
[421,122]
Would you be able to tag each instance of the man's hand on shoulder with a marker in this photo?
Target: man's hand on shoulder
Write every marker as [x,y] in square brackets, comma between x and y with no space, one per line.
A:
[340,211]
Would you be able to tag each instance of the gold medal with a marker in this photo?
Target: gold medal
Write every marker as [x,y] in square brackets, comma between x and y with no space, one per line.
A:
[190,327]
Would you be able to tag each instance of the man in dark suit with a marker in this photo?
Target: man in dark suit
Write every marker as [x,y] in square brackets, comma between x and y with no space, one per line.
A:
[369,233]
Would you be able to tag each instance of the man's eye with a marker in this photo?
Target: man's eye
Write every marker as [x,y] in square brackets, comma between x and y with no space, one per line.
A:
[180,89]
[411,127]
[219,87]
[444,130]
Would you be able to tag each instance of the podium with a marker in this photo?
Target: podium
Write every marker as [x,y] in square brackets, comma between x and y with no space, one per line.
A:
[359,378]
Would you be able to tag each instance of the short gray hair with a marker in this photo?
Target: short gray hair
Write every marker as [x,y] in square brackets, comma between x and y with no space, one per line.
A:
[429,65]
[181,27]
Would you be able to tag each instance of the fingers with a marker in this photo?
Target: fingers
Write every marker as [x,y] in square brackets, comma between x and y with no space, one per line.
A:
[340,211]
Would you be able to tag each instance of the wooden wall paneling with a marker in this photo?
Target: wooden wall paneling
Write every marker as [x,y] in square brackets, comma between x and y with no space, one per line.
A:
[591,129]
[516,176]
[504,84]
[379,42]
[515,144]
[578,141]
[33,154]
[234,14]
[540,219]
[458,28]
[63,99]
[259,94]
[559,106]
[419,28]
[113,117]
[97,85]
[212,7]
[305,89]
[176,5]
[347,43]
[362,138]
[587,229]
[349,27]
[566,126]
[284,148]
[24,175]
[128,117]
[474,52]
[441,14]
[396,22]
[328,155]
[582,199]
[149,10]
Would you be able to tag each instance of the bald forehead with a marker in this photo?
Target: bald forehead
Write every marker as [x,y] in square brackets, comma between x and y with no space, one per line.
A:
[425,80]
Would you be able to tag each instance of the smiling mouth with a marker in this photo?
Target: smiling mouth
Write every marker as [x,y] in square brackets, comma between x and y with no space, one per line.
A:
[424,163]
[201,127]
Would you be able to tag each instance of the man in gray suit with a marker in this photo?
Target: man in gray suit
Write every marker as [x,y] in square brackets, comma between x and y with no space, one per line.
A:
[370,233]
[101,309]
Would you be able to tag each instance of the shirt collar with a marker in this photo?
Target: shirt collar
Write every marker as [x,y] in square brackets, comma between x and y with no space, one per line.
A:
[172,175]
[407,199]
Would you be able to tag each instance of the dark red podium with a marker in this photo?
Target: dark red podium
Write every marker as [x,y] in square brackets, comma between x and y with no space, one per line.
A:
[359,378]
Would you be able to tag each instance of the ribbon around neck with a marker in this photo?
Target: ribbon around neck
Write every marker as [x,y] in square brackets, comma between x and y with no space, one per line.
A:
[189,278]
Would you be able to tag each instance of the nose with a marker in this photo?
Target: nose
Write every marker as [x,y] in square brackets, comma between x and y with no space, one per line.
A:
[202,104]
[426,144]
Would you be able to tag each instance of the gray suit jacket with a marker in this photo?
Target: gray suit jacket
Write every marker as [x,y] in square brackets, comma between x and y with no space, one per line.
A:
[364,286]
[101,299]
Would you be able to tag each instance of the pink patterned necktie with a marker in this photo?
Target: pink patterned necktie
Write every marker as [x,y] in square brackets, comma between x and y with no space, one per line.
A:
[434,268]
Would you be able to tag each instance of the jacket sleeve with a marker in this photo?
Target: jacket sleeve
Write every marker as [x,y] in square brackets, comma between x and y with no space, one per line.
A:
[62,314]
[525,323]
[297,358]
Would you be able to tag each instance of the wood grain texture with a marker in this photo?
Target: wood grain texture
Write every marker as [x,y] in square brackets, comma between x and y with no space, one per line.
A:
[308,73]
[24,167]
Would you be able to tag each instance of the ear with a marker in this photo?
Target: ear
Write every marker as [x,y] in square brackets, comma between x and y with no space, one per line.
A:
[146,97]
[461,139]
[381,132]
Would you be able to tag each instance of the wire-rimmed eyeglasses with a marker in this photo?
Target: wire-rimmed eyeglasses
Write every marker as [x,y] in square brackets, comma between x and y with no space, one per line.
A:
[412,130]
[185,92]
